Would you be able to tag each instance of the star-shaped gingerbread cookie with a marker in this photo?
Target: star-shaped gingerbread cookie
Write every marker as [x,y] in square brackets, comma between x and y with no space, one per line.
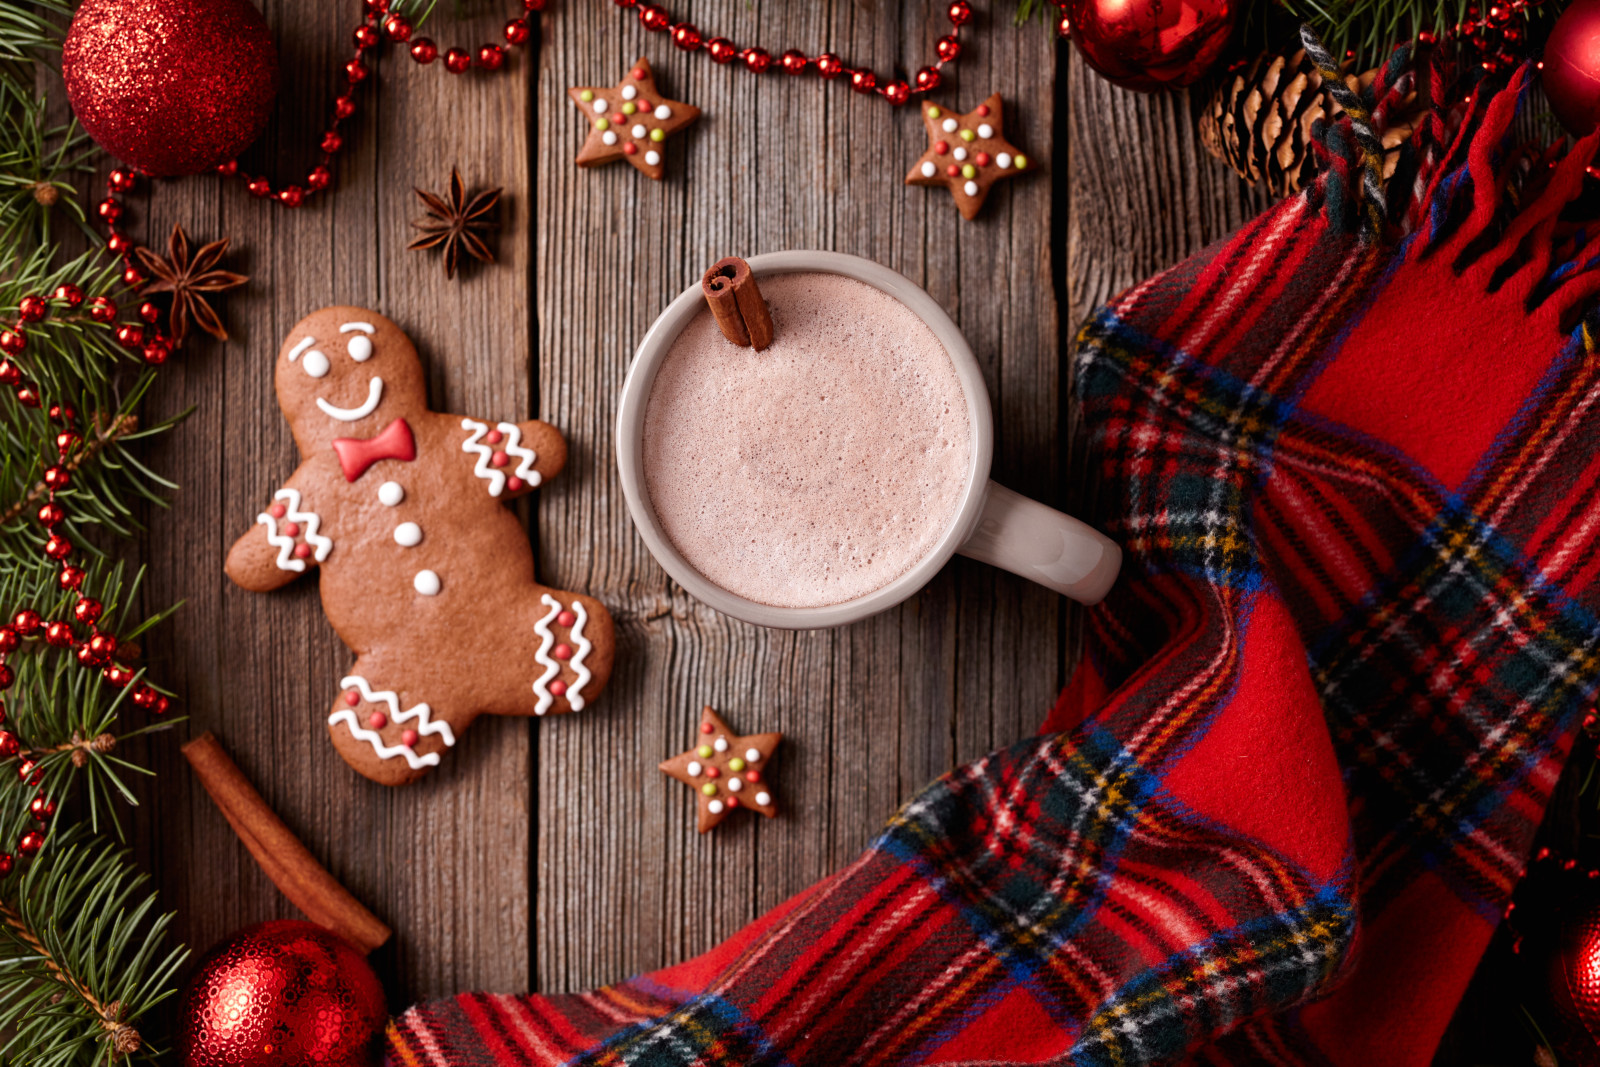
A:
[726,771]
[967,153]
[630,120]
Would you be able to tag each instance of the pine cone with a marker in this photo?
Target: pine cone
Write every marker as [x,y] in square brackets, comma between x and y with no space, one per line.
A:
[1260,118]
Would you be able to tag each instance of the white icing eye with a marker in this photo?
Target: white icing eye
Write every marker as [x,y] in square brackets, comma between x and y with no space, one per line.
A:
[315,363]
[360,348]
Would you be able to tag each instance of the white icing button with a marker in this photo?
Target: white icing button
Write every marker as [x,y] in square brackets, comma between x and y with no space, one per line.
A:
[959,154]
[390,494]
[360,348]
[1003,161]
[929,170]
[663,112]
[950,125]
[971,188]
[408,534]
[986,130]
[715,807]
[315,363]
[720,744]
[629,92]
[609,137]
[427,583]
[652,158]
[752,755]
[735,784]
[763,799]
[599,106]
[694,768]
[639,132]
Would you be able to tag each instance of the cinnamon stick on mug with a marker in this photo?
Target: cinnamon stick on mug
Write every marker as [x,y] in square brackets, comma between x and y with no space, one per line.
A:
[306,883]
[736,303]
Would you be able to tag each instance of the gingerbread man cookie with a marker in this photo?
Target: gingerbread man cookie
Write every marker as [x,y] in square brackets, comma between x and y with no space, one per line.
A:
[425,574]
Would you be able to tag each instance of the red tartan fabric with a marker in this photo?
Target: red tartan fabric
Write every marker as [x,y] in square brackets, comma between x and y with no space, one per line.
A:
[1277,814]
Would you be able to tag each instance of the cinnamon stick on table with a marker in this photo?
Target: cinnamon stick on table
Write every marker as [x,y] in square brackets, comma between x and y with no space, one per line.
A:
[306,883]
[736,303]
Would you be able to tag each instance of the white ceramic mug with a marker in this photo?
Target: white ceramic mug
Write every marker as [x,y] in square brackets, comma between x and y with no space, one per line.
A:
[992,523]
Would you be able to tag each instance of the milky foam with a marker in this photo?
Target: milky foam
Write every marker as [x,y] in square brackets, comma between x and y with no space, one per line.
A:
[820,469]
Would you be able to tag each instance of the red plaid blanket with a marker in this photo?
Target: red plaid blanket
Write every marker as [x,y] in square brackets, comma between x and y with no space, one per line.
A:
[1279,811]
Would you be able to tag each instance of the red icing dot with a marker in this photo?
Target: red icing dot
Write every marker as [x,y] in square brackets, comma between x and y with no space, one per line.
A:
[291,529]
[377,720]
[981,159]
[712,772]
[558,688]
[707,728]
[276,511]
[566,618]
[629,148]
[514,483]
[410,738]
[941,147]
[637,74]
[352,698]
[499,459]
[302,551]
[983,110]
[952,170]
[752,776]
[562,651]
[618,118]
[733,802]
[493,437]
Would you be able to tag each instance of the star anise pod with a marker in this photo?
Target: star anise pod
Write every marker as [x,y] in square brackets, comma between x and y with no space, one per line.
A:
[188,280]
[457,224]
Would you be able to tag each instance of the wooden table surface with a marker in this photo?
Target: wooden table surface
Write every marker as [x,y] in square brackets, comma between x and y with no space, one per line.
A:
[552,855]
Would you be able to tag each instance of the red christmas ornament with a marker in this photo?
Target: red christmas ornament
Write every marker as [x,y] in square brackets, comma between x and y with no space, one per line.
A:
[170,86]
[829,66]
[1571,72]
[281,994]
[1152,44]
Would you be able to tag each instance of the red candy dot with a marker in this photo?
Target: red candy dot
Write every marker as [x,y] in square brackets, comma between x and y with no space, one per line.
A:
[637,74]
[277,511]
[352,698]
[558,688]
[644,105]
[752,776]
[562,651]
[733,802]
[712,772]
[629,148]
[514,483]
[981,159]
[618,117]
[566,618]
[291,529]
[499,459]
[302,551]
[707,728]
[983,110]
[377,720]
[941,147]
[493,437]
[410,738]
[952,170]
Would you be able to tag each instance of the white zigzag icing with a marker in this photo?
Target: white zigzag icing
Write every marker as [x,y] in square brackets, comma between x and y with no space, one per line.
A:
[421,712]
[284,543]
[574,695]
[528,456]
[541,684]
[482,469]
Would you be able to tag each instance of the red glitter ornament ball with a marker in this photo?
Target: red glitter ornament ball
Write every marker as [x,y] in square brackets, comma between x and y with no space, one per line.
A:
[1152,44]
[281,994]
[170,86]
[1572,67]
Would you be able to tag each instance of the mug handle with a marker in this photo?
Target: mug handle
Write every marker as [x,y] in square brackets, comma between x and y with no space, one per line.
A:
[1043,545]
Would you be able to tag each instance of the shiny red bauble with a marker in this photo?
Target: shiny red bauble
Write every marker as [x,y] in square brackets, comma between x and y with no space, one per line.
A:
[1571,73]
[1152,44]
[281,994]
[170,86]
[686,36]
[829,65]
[721,50]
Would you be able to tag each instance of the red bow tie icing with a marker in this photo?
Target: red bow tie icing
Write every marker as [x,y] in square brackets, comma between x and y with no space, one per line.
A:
[356,454]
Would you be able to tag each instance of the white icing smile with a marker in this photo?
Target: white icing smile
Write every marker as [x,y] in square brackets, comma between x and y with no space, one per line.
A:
[374,394]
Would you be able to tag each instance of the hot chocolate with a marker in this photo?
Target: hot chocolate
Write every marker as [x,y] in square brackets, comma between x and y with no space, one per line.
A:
[820,469]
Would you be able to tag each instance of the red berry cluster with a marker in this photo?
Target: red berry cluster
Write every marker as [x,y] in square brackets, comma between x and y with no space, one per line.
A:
[41,807]
[65,301]
[1498,35]
[141,337]
[655,18]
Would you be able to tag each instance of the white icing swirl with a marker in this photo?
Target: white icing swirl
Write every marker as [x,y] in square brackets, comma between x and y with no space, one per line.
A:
[527,456]
[421,712]
[496,480]
[541,684]
[284,543]
[575,693]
